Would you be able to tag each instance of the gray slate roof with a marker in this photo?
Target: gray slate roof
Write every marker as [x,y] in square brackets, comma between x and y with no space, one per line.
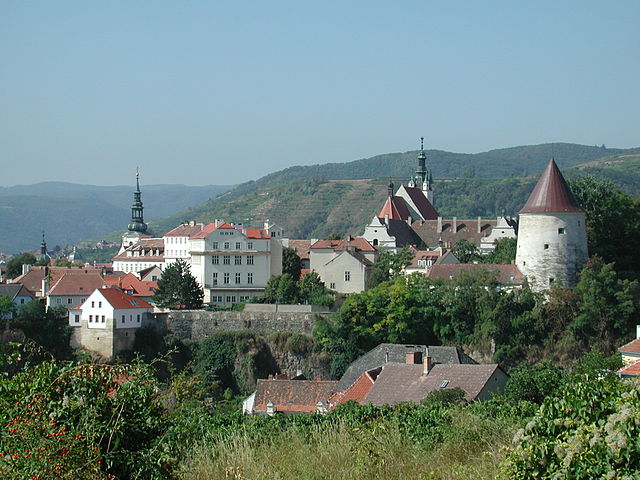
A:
[396,353]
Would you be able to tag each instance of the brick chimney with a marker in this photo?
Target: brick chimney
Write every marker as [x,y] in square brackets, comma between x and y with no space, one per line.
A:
[455,225]
[271,408]
[637,331]
[479,224]
[427,364]
[413,358]
[439,224]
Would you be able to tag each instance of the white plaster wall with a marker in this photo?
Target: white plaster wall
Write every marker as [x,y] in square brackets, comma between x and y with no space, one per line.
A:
[375,231]
[565,254]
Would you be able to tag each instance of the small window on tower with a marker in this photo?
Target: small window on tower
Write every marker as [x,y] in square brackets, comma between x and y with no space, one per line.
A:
[546,246]
[551,279]
[561,231]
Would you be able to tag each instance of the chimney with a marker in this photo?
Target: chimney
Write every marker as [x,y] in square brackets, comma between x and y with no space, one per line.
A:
[26,268]
[479,224]
[386,219]
[413,358]
[439,224]
[321,408]
[637,331]
[192,223]
[427,364]
[271,408]
[455,224]
[45,286]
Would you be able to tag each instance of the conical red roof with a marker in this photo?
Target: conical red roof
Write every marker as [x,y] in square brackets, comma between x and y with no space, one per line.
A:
[551,193]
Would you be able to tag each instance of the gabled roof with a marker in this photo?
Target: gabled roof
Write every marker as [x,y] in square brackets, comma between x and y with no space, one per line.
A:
[130,282]
[301,247]
[120,300]
[395,208]
[13,290]
[255,233]
[400,382]
[403,233]
[74,284]
[422,203]
[551,193]
[292,396]
[466,229]
[632,370]
[396,353]
[185,230]
[508,274]
[357,243]
[356,255]
[631,347]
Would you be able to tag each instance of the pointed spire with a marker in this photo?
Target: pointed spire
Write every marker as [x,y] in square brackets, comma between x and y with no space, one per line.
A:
[421,172]
[390,188]
[137,210]
[43,245]
[551,193]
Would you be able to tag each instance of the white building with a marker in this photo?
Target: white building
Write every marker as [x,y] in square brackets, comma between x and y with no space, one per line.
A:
[343,265]
[146,253]
[552,238]
[232,263]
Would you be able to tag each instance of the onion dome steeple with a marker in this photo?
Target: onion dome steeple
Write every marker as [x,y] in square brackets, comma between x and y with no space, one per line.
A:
[137,210]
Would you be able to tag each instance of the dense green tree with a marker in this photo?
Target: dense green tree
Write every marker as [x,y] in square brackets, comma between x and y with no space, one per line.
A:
[313,291]
[534,383]
[178,288]
[281,289]
[466,251]
[7,308]
[14,266]
[613,221]
[291,262]
[389,265]
[504,253]
[48,327]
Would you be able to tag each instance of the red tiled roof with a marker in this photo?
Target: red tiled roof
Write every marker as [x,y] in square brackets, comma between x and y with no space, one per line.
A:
[132,282]
[292,395]
[631,370]
[119,299]
[185,230]
[358,390]
[551,193]
[631,347]
[507,274]
[360,244]
[432,255]
[395,208]
[256,233]
[301,247]
[422,203]
[74,284]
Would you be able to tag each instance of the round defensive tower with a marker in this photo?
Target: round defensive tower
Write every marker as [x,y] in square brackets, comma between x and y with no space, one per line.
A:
[552,236]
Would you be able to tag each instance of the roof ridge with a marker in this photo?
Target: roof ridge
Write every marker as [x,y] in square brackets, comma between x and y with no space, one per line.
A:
[551,193]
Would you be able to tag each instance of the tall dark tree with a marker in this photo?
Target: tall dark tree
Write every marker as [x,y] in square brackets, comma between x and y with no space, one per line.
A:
[613,221]
[291,262]
[14,266]
[389,265]
[178,288]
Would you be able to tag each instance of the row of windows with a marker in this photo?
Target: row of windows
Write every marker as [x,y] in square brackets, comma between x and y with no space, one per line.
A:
[227,245]
[229,298]
[226,278]
[101,319]
[59,300]
[226,259]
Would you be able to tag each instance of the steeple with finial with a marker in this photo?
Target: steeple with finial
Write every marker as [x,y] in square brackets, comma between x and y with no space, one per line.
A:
[421,172]
[43,247]
[137,210]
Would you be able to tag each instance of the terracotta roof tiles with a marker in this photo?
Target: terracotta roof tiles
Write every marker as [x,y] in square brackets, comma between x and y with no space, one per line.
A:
[551,193]
[292,396]
[631,347]
[73,284]
[120,300]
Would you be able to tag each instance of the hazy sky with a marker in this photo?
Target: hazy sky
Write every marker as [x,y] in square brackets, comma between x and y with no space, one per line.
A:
[214,92]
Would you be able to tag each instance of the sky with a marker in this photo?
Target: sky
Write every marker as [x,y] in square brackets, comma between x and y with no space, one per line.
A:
[217,92]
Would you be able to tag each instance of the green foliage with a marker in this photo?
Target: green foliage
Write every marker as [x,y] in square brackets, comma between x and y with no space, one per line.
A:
[589,431]
[298,344]
[504,253]
[447,397]
[613,221]
[291,262]
[389,265]
[7,308]
[178,288]
[534,383]
[466,251]
[307,290]
[48,327]
[14,266]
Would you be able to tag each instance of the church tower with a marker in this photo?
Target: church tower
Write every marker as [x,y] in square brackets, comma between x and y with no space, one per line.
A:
[552,238]
[423,178]
[137,210]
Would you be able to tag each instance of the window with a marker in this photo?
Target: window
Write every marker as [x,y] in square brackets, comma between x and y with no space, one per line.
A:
[273,234]
[93,304]
[237,278]
[347,276]
[69,301]
[231,298]
[226,259]
[138,318]
[249,245]
[58,300]
[215,260]
[102,318]
[122,318]
[249,259]
[444,384]
[546,246]
[226,279]
[214,245]
[214,280]
[154,278]
[551,279]
[561,231]
[250,278]
[99,304]
[22,301]
[238,246]
[91,318]
[332,285]
[226,245]
[77,318]
[238,260]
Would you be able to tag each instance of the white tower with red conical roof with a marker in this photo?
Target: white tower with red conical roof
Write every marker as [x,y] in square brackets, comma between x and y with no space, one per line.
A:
[552,237]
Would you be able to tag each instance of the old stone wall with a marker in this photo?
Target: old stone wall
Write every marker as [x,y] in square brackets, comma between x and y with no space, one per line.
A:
[198,324]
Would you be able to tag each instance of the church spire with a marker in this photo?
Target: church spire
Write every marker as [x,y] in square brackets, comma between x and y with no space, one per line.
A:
[137,210]
[421,172]
[43,246]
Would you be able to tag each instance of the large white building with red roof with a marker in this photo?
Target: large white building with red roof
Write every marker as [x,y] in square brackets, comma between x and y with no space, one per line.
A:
[233,263]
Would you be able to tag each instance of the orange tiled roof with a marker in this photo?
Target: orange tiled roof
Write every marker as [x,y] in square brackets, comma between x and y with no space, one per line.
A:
[292,395]
[74,284]
[119,299]
[631,370]
[631,347]
[130,282]
[359,243]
